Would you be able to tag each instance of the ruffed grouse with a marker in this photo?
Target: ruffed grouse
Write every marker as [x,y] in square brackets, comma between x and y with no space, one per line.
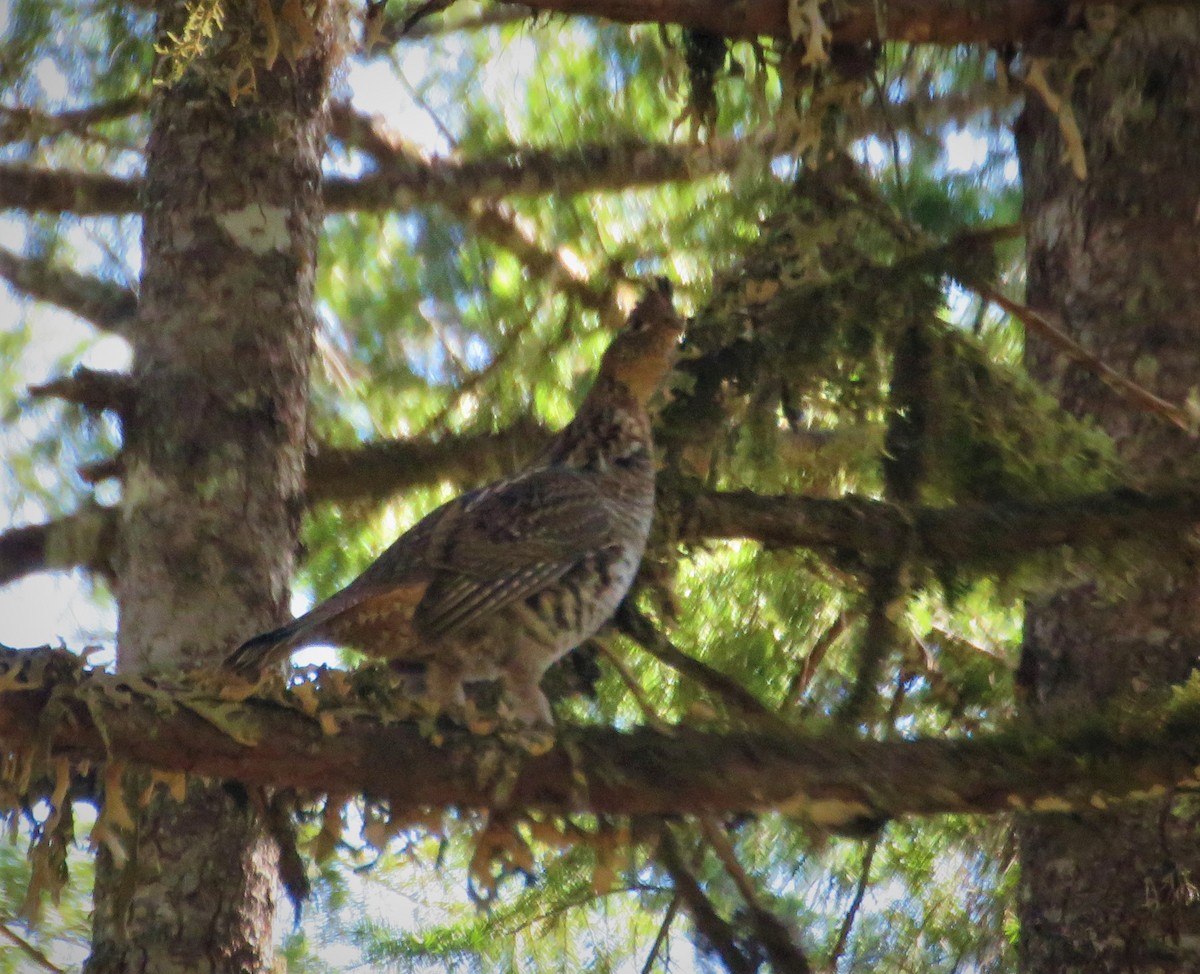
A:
[501,582]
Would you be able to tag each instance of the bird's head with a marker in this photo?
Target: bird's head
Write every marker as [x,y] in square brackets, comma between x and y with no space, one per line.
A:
[643,352]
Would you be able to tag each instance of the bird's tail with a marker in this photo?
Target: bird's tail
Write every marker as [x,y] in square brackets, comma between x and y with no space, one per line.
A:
[254,655]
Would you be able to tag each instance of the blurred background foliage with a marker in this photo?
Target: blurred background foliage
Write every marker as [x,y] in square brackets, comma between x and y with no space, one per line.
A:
[844,225]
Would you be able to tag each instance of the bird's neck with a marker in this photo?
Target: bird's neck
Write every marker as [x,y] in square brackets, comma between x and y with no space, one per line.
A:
[609,434]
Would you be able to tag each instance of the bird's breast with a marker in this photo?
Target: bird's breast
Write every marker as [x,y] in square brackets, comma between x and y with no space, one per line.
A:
[564,614]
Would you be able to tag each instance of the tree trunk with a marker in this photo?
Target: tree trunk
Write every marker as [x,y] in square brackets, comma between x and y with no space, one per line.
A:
[1116,256]
[214,456]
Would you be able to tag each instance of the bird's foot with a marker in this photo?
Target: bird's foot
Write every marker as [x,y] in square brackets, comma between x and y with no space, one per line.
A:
[533,739]
[526,713]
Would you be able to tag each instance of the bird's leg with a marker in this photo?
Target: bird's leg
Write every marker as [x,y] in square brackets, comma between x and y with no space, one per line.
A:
[521,686]
[444,688]
[530,710]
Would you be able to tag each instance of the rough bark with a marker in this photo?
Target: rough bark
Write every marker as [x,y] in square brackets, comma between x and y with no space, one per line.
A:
[1114,256]
[213,466]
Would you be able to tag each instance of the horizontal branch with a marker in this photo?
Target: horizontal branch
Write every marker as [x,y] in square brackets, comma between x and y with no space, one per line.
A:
[106,305]
[376,471]
[607,167]
[84,539]
[93,389]
[833,781]
[372,472]
[21,124]
[966,534]
[37,190]
[405,179]
[946,22]
[404,184]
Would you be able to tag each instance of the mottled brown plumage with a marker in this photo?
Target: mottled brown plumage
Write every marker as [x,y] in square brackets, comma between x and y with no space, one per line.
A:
[499,583]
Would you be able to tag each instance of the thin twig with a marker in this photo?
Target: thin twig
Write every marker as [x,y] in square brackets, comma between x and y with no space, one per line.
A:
[1043,323]
[884,593]
[720,935]
[864,877]
[638,627]
[30,949]
[962,643]
[860,892]
[663,929]
[808,666]
[439,423]
[398,30]
[772,933]
[495,220]
[631,682]
[715,836]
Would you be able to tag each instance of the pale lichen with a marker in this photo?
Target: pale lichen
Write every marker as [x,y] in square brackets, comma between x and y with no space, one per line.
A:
[259,228]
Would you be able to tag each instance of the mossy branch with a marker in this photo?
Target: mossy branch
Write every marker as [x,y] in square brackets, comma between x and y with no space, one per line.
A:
[946,22]
[328,739]
[974,536]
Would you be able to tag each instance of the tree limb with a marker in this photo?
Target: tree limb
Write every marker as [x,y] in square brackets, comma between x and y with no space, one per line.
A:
[84,539]
[492,219]
[717,934]
[770,932]
[607,167]
[93,389]
[106,305]
[967,535]
[37,190]
[947,22]
[20,124]
[406,180]
[376,471]
[372,472]
[50,703]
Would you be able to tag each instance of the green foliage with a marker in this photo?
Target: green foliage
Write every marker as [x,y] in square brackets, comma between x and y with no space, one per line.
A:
[995,435]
